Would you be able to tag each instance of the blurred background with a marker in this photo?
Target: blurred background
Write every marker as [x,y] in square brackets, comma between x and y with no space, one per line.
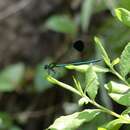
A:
[37,32]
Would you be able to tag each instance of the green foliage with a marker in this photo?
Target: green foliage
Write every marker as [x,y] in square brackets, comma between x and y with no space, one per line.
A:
[83,101]
[124,4]
[62,23]
[54,81]
[119,92]
[125,61]
[115,36]
[116,61]
[102,50]
[101,128]
[123,15]
[11,77]
[96,122]
[84,68]
[78,85]
[6,121]
[91,83]
[72,122]
[86,13]
[114,87]
[122,99]
[127,111]
[114,125]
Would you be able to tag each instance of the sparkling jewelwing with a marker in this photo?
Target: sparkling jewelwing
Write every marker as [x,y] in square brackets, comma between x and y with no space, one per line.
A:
[76,63]
[79,46]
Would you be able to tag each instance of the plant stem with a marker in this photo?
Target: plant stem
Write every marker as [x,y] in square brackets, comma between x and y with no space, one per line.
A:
[118,75]
[104,109]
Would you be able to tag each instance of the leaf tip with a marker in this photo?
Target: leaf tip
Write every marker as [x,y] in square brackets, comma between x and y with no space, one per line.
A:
[51,79]
[96,38]
[118,13]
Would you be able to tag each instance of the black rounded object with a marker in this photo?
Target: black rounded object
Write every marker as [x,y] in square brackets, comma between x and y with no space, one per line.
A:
[79,45]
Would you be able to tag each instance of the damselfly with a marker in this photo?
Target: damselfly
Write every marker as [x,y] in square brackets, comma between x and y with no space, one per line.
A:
[79,46]
[50,67]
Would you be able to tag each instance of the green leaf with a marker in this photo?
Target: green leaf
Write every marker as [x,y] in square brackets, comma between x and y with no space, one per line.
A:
[127,111]
[78,85]
[115,43]
[6,85]
[123,99]
[115,62]
[101,128]
[66,86]
[100,69]
[125,61]
[62,23]
[92,83]
[124,4]
[86,12]
[102,50]
[123,15]
[115,124]
[11,77]
[102,118]
[84,100]
[6,121]
[84,68]
[72,122]
[114,87]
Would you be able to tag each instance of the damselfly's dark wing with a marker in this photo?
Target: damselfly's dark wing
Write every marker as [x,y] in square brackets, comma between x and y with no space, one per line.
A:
[69,52]
[79,45]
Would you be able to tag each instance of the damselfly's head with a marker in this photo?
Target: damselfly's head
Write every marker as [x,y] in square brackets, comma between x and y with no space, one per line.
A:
[46,67]
[50,67]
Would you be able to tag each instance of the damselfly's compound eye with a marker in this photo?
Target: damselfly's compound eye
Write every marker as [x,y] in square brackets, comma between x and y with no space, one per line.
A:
[79,45]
